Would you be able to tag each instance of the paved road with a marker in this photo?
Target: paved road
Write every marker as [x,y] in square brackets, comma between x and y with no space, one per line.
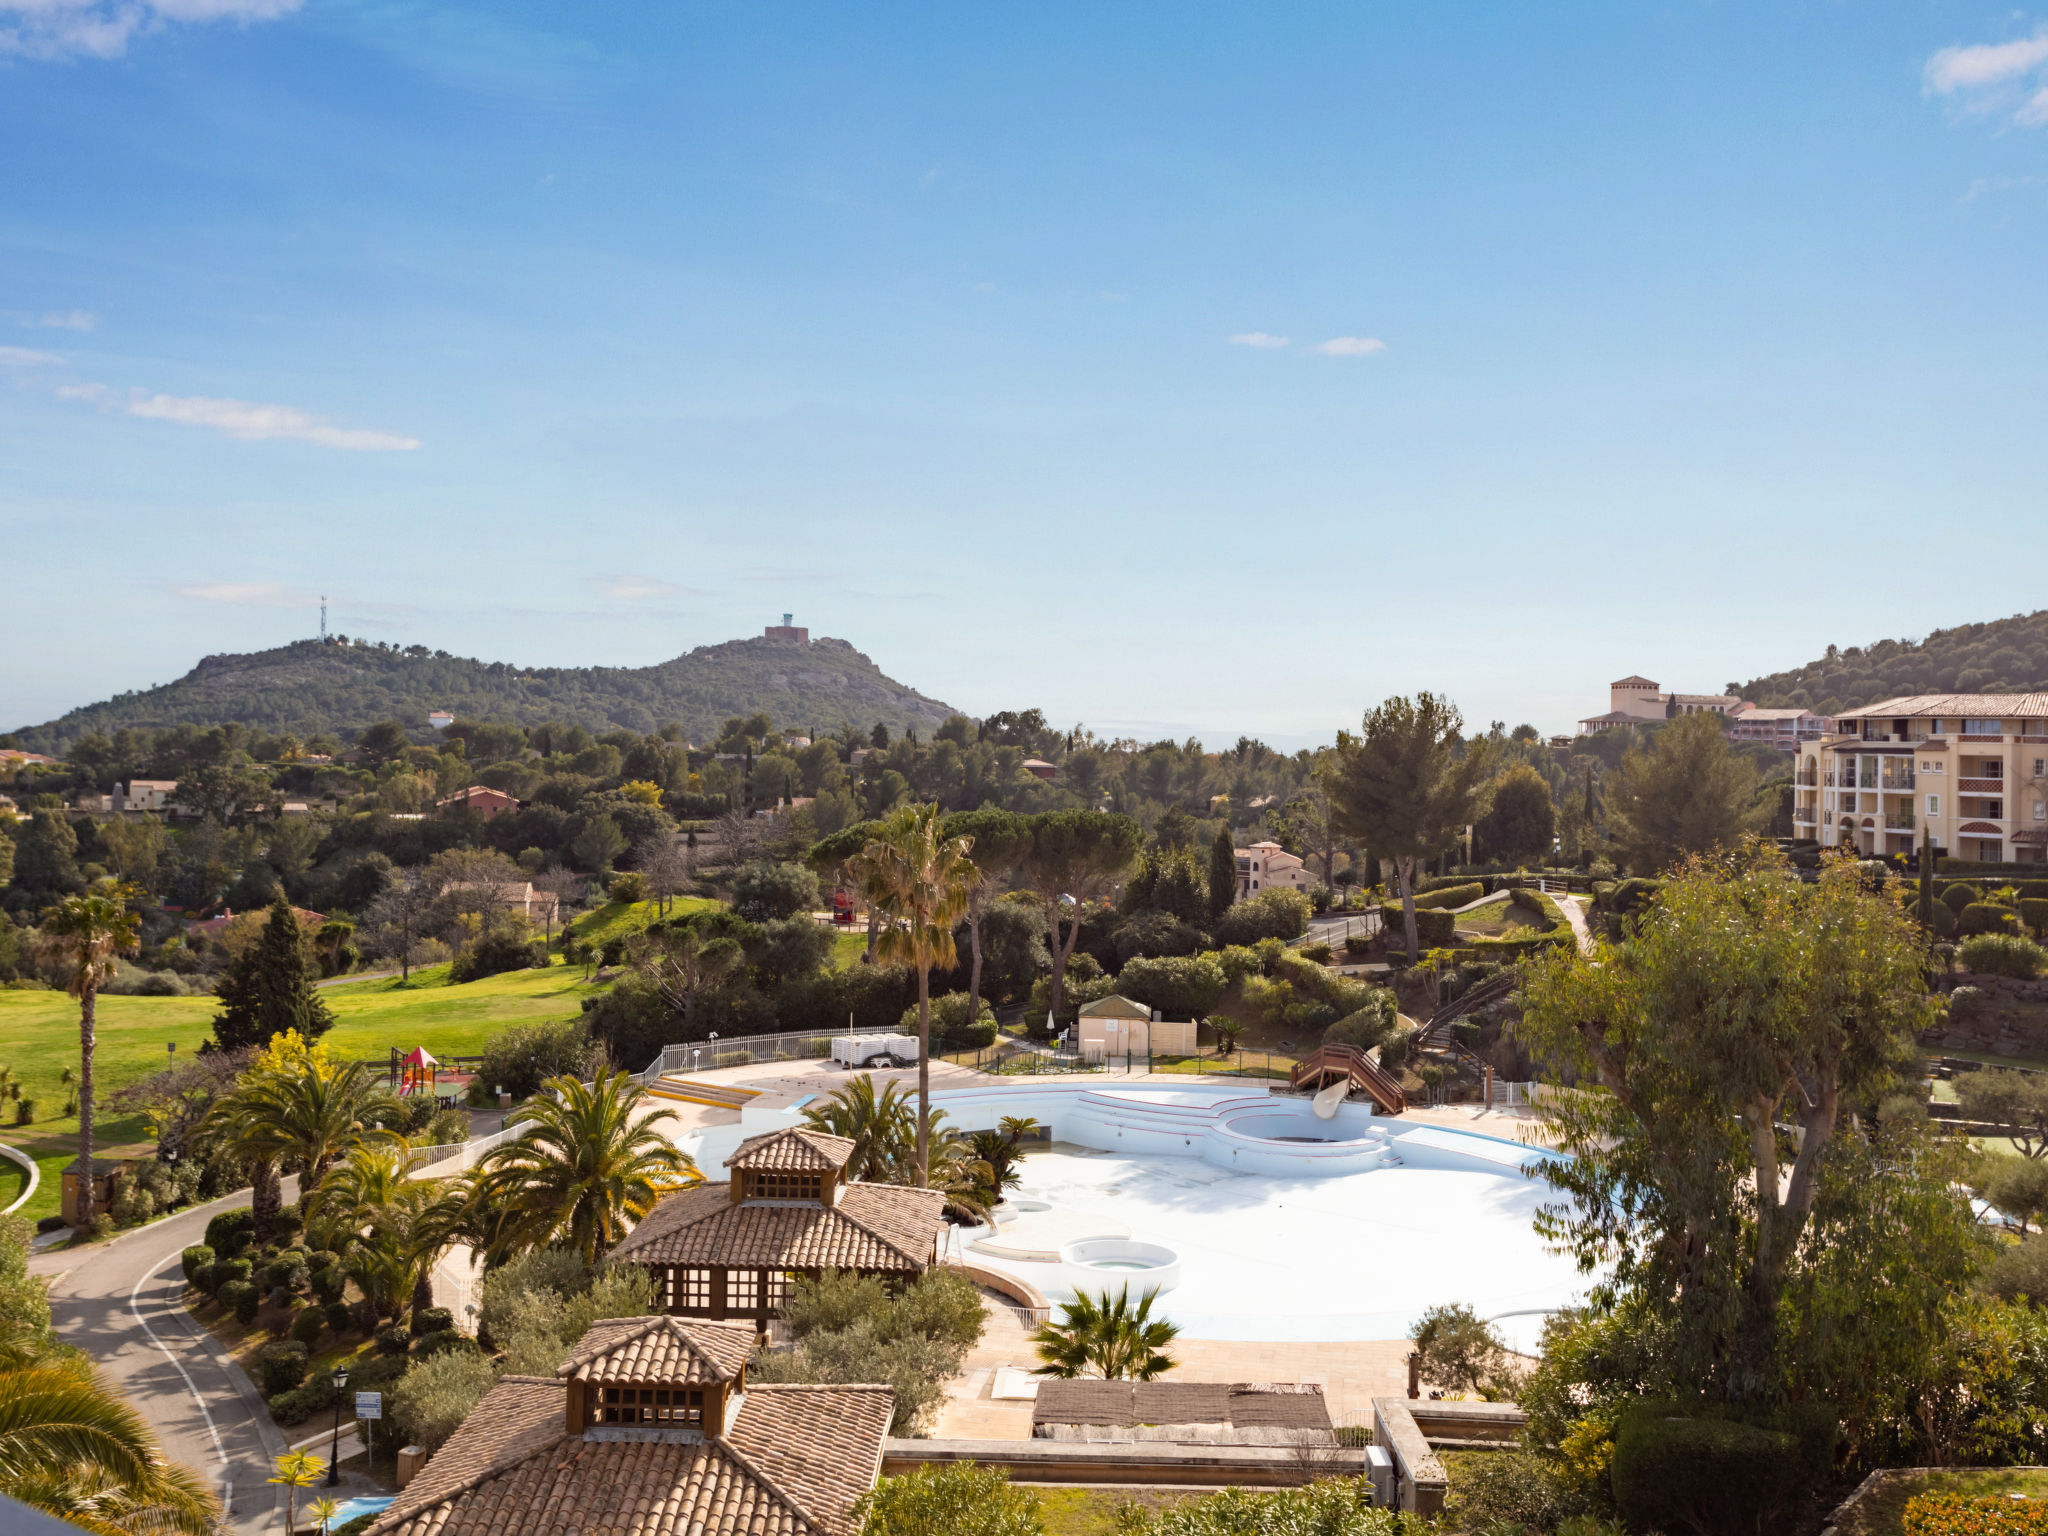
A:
[120,1302]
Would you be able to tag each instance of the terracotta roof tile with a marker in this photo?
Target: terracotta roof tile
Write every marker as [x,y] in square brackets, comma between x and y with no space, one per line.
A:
[797,1149]
[659,1349]
[880,1227]
[821,1445]
[795,1461]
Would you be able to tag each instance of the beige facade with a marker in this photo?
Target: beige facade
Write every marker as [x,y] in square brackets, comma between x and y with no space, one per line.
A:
[1265,866]
[1968,770]
[1116,1026]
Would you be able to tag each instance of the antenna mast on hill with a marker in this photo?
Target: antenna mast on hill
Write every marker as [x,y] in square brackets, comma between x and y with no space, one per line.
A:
[323,618]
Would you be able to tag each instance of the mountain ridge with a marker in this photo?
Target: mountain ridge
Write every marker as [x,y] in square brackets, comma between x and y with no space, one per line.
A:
[310,686]
[1997,656]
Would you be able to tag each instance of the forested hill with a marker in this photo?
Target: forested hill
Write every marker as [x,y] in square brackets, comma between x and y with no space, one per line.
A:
[2002,656]
[310,687]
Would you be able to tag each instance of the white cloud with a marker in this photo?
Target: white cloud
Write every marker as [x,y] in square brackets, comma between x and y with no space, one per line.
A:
[98,394]
[102,29]
[627,589]
[1258,339]
[248,594]
[63,320]
[254,423]
[1994,77]
[1351,346]
[23,357]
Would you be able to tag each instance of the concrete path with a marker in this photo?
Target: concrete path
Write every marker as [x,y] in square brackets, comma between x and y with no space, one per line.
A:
[1574,910]
[121,1302]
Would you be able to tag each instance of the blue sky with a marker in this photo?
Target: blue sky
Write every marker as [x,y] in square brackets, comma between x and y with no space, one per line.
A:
[1680,339]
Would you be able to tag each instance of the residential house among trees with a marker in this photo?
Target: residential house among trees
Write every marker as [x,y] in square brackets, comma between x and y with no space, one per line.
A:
[730,1250]
[479,797]
[1263,866]
[651,1425]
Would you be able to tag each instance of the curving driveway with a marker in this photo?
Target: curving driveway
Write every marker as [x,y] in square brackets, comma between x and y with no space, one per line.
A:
[121,1303]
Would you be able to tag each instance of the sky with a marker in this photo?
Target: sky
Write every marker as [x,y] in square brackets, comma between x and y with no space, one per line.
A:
[1190,369]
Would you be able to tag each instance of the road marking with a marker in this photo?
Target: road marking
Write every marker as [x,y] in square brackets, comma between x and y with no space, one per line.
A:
[135,1306]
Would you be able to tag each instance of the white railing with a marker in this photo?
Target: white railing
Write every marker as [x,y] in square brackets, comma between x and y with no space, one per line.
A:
[706,1055]
[451,1158]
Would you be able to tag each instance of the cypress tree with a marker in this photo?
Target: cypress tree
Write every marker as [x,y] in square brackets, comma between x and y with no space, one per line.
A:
[1222,873]
[266,991]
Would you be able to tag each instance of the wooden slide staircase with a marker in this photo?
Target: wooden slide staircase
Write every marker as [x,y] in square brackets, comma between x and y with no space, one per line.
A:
[1333,1063]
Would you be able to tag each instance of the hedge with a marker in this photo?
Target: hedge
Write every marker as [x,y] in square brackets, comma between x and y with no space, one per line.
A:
[1710,1475]
[1955,1514]
[1960,895]
[230,1231]
[194,1259]
[1984,917]
[1433,928]
[1452,896]
[2034,913]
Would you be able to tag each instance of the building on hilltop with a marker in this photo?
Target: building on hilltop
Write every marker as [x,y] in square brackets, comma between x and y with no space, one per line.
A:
[731,1250]
[787,631]
[1637,700]
[651,1426]
[1784,729]
[1966,771]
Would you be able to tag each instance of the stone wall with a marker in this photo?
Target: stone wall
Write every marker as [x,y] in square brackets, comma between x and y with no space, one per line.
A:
[2004,1025]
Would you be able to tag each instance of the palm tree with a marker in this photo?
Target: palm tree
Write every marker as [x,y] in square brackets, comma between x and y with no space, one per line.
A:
[397,1227]
[878,1125]
[299,1112]
[75,1450]
[589,1166]
[921,884]
[82,934]
[1110,1339]
[296,1470]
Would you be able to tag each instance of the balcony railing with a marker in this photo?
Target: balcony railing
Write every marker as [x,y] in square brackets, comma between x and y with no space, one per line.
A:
[1808,780]
[1898,781]
[1804,815]
[1898,821]
[1980,786]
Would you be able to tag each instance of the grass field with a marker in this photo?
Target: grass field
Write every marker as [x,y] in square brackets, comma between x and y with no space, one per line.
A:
[1092,1511]
[39,1039]
[622,919]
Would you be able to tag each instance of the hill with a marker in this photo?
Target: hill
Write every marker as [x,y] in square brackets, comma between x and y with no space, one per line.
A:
[310,686]
[2002,656]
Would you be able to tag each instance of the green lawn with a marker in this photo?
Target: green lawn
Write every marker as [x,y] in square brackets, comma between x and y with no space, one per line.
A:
[847,948]
[1883,1513]
[1092,1511]
[40,1031]
[620,920]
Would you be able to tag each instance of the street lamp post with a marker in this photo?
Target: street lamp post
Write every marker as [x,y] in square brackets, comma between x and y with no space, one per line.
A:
[334,1446]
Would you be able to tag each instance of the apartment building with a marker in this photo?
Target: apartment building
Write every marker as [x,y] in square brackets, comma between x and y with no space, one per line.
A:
[1265,865]
[1968,770]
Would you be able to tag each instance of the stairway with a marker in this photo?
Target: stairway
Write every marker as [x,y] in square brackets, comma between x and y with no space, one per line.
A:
[1469,1001]
[690,1090]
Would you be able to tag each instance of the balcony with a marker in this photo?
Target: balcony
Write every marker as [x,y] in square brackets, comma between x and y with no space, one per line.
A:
[1899,780]
[1898,821]
[1980,786]
[1808,780]
[1804,816]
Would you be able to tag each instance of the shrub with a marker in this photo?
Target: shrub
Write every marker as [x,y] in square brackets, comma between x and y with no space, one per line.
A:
[1396,1048]
[520,1057]
[1370,1026]
[1983,917]
[1357,945]
[1956,1514]
[1966,1002]
[1268,915]
[338,1316]
[1238,961]
[496,953]
[1432,928]
[431,1320]
[2003,954]
[443,1340]
[628,888]
[1182,985]
[281,1366]
[1938,918]
[289,1223]
[1632,894]
[1320,952]
[247,1300]
[328,1284]
[762,891]
[231,1231]
[194,1259]
[393,1339]
[1709,1475]
[1510,1490]
[1960,895]
[433,1398]
[1451,896]
[301,1403]
[961,1499]
[2034,913]
[102,1226]
[306,1325]
[2032,890]
[285,1273]
[950,1021]
[1529,901]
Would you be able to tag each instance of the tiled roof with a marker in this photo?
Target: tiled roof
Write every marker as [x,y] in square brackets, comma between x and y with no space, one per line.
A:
[1114,1007]
[1129,1403]
[659,1349]
[796,1150]
[793,1463]
[821,1445]
[1964,706]
[873,1227]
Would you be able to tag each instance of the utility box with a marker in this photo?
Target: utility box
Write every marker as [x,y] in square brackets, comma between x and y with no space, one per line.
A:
[504,1099]
[410,1460]
[1379,1470]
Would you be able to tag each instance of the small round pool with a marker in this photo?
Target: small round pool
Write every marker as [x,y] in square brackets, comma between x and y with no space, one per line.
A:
[1111,1263]
[1300,1128]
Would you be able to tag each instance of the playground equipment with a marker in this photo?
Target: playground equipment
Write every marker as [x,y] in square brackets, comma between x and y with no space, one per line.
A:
[416,1071]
